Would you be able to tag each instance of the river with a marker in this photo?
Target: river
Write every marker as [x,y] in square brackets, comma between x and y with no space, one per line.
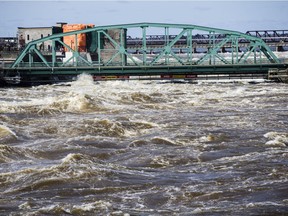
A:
[144,148]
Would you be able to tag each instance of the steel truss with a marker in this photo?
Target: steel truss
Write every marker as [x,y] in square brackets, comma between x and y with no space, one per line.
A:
[117,54]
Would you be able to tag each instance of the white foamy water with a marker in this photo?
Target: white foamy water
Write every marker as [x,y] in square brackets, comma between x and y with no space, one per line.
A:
[144,148]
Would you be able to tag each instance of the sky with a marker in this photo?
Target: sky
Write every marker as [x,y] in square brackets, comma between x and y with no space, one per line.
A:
[233,15]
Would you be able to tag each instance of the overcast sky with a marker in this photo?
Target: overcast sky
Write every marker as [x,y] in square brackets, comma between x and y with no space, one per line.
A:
[234,15]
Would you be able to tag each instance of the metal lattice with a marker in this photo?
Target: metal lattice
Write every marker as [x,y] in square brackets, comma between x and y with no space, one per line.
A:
[173,49]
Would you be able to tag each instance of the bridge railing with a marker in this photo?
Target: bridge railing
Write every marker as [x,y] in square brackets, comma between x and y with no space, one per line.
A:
[172,62]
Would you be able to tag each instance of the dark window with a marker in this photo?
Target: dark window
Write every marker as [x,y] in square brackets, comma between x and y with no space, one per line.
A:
[28,37]
[41,35]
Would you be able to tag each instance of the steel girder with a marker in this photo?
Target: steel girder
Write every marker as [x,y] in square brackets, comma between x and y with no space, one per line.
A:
[256,52]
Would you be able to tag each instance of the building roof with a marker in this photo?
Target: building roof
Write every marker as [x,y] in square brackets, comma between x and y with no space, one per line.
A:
[38,27]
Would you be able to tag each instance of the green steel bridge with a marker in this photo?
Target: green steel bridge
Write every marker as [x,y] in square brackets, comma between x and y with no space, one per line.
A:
[106,55]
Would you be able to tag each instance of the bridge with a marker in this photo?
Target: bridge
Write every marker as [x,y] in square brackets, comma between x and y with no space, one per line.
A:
[180,51]
[277,40]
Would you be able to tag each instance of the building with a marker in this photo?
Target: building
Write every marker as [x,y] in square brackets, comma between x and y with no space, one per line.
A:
[28,34]
[8,43]
[81,38]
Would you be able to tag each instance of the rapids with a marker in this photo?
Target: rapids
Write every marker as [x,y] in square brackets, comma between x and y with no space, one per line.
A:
[144,148]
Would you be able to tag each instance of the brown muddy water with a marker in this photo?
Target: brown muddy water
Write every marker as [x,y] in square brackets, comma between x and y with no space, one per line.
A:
[144,148]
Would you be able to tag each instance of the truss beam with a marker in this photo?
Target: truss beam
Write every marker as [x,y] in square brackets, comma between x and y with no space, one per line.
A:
[112,50]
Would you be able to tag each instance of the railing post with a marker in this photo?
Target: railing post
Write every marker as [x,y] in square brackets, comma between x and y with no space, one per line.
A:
[53,53]
[190,45]
[167,41]
[30,58]
[122,44]
[99,48]
[144,46]
[75,57]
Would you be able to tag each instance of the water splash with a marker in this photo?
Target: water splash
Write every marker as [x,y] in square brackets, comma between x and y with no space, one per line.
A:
[83,80]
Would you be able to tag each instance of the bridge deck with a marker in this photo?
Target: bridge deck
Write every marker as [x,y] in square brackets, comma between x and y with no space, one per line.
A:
[39,75]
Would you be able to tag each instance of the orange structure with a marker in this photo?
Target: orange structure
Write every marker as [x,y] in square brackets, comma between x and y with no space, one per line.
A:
[81,38]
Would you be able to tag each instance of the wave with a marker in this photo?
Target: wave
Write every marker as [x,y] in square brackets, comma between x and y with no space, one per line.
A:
[276,139]
[112,128]
[97,207]
[71,102]
[87,128]
[7,135]
[68,102]
[9,154]
[71,168]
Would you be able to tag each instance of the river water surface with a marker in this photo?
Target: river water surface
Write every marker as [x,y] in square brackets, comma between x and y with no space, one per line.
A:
[144,148]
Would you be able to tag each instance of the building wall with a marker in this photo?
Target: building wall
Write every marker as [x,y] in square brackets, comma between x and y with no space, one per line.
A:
[81,38]
[26,35]
[109,49]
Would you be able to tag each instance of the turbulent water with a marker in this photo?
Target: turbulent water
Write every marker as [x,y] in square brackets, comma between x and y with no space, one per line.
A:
[144,148]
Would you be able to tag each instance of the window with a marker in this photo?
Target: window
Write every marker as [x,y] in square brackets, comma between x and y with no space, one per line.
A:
[41,35]
[28,37]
